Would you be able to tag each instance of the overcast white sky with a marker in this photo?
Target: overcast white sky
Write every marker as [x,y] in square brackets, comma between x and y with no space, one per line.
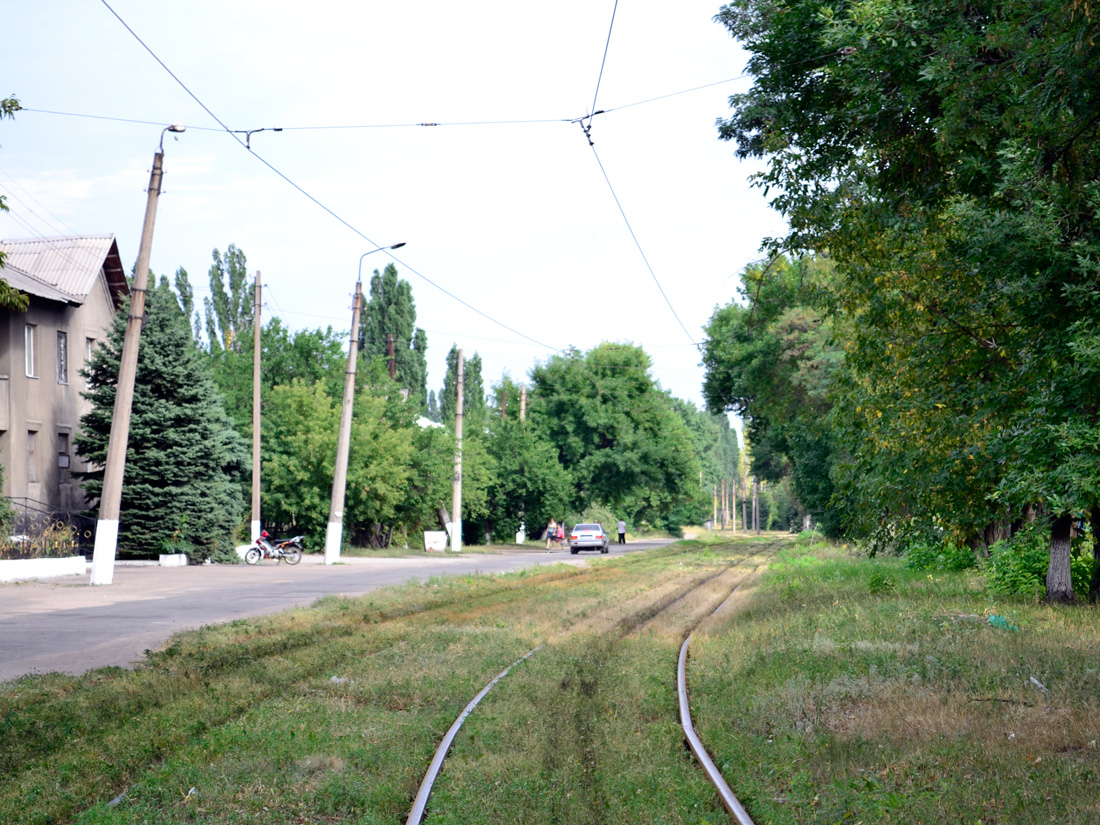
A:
[515,219]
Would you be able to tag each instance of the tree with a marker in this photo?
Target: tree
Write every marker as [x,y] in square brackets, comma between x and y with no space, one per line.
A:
[473,392]
[615,431]
[231,306]
[300,430]
[946,158]
[772,360]
[10,297]
[391,311]
[433,413]
[183,459]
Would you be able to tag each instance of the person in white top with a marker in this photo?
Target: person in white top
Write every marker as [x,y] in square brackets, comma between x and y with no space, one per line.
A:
[622,532]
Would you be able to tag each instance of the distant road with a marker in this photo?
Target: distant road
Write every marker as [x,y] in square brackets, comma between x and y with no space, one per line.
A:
[66,625]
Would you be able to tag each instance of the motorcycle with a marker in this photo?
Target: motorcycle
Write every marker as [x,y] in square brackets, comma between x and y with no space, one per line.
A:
[288,550]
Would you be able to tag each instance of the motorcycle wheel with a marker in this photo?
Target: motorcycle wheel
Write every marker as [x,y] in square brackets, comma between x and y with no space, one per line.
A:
[252,556]
[292,554]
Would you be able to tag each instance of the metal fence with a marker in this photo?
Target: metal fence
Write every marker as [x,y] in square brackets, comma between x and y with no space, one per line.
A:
[41,531]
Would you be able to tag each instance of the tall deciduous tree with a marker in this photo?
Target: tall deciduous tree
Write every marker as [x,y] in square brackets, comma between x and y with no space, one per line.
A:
[391,311]
[473,392]
[946,156]
[230,307]
[615,431]
[183,457]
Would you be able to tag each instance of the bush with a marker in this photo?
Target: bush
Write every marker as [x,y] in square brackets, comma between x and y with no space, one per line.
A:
[933,555]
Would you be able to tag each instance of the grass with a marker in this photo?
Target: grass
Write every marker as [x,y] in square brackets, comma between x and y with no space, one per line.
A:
[831,690]
[854,690]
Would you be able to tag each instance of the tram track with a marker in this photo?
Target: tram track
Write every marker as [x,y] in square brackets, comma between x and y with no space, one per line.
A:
[587,680]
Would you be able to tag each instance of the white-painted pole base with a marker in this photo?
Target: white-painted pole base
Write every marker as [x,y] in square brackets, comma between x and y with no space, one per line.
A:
[255,530]
[333,536]
[103,556]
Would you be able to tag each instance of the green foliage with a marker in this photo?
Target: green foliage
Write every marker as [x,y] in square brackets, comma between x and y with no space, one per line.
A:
[391,311]
[231,306]
[774,361]
[615,431]
[184,458]
[1018,567]
[474,408]
[944,555]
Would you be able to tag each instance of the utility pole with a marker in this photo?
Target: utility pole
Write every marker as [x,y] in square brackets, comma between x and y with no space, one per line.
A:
[503,401]
[523,402]
[744,505]
[256,411]
[756,505]
[456,499]
[110,500]
[733,508]
[335,534]
[393,365]
[714,518]
[723,510]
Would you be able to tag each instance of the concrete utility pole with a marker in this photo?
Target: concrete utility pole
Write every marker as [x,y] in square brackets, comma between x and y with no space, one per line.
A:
[256,411]
[523,402]
[714,518]
[335,533]
[756,505]
[456,499]
[723,508]
[503,401]
[110,500]
[733,508]
[744,506]
[389,349]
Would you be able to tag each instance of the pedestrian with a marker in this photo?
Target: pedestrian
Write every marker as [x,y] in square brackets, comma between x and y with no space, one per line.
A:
[622,532]
[560,535]
[551,532]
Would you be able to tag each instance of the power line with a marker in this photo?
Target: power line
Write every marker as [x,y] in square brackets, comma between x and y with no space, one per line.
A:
[638,244]
[311,197]
[603,62]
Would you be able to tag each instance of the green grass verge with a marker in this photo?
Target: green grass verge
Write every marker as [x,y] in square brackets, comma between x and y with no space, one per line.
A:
[854,690]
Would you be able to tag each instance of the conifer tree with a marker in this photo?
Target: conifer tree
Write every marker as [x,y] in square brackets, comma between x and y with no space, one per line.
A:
[180,491]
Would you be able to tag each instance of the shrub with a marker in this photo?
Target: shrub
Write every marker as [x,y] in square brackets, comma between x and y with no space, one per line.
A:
[933,555]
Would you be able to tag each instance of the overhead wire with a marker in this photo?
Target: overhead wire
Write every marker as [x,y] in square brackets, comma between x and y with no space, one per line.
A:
[603,62]
[310,197]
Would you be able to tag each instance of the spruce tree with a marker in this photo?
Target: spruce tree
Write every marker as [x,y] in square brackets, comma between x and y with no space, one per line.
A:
[180,491]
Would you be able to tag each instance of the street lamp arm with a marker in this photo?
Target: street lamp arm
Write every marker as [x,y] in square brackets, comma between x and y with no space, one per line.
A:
[372,251]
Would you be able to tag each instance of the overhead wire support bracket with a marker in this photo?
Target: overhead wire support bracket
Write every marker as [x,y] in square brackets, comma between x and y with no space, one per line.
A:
[250,132]
[587,127]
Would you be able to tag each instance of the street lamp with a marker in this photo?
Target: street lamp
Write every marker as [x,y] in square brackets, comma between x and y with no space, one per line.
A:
[106,534]
[334,535]
[371,252]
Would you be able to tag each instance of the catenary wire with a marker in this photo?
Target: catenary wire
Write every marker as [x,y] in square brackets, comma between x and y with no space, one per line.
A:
[312,198]
[641,251]
[603,62]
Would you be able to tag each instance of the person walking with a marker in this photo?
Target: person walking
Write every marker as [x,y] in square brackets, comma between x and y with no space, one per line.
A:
[551,532]
[622,532]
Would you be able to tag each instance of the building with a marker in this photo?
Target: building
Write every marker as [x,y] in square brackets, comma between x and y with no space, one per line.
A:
[75,286]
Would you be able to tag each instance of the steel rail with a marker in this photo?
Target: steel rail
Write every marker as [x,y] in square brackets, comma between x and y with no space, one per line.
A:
[420,803]
[729,801]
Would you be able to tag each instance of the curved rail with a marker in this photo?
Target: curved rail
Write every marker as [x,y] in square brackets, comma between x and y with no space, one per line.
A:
[420,804]
[729,801]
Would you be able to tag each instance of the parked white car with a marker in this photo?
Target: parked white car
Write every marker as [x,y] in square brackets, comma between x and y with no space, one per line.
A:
[587,537]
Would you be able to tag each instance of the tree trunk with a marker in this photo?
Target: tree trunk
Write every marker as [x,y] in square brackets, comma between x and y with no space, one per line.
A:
[1094,584]
[1059,580]
[444,516]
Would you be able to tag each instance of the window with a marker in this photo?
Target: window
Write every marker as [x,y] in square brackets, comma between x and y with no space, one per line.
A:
[32,457]
[63,456]
[62,358]
[28,346]
[89,345]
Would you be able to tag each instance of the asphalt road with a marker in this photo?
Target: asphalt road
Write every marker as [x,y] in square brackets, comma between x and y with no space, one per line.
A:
[66,625]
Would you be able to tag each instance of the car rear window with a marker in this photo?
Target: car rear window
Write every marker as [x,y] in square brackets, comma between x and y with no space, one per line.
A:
[594,527]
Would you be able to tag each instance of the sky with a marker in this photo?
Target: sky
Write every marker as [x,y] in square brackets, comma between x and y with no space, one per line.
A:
[504,205]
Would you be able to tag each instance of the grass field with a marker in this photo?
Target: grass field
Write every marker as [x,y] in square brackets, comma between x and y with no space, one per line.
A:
[831,689]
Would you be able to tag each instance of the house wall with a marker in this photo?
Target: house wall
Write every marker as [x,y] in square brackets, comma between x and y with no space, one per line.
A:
[44,404]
